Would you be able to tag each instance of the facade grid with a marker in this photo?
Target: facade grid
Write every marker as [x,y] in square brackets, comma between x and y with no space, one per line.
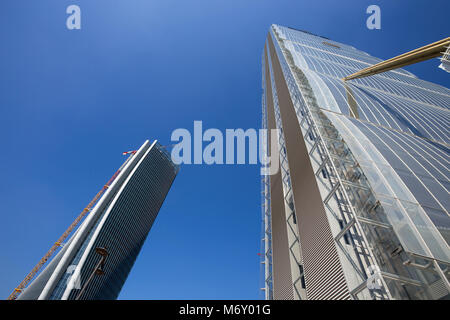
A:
[372,154]
[119,223]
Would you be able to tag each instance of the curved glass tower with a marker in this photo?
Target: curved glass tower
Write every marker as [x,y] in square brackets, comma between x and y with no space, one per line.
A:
[118,226]
[359,208]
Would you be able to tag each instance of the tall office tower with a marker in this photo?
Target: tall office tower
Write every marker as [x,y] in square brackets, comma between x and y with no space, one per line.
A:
[359,208]
[97,259]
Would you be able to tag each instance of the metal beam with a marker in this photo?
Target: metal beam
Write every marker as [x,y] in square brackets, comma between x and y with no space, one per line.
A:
[433,50]
[401,279]
[375,223]
[345,229]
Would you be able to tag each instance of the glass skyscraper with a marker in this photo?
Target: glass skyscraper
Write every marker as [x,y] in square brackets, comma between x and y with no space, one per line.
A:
[118,224]
[359,207]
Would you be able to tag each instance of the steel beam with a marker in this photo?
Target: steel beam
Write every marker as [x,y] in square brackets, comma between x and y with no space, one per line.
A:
[433,50]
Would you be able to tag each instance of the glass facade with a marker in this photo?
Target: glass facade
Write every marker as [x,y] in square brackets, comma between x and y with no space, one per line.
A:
[378,147]
[120,225]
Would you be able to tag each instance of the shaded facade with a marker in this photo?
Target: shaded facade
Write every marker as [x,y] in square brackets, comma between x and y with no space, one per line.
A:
[359,208]
[119,222]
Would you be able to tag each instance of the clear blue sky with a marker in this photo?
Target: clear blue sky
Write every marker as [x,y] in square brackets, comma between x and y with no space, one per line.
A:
[72,101]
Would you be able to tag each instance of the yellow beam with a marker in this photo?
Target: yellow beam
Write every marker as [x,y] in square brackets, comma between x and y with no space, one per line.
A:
[429,51]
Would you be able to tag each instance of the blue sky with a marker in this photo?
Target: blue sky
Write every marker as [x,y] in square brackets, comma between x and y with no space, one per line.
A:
[72,101]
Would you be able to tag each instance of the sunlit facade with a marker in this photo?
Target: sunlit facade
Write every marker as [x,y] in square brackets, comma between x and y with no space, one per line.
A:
[363,183]
[119,223]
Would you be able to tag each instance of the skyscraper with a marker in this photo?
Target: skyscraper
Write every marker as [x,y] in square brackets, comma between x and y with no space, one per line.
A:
[97,259]
[359,207]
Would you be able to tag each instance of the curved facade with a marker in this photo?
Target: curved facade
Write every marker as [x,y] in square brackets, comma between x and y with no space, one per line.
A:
[365,175]
[119,222]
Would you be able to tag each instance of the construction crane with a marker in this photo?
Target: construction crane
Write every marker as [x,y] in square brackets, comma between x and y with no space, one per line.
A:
[59,242]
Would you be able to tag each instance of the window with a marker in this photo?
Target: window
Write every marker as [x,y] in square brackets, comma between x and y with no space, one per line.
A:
[341,224]
[302,277]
